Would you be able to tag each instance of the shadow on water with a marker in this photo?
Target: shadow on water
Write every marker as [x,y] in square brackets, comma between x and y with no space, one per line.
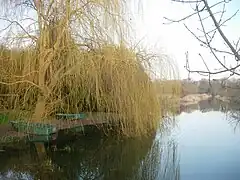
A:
[92,157]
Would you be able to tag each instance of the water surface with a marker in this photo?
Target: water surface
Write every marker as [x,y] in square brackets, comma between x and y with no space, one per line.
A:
[209,146]
[202,144]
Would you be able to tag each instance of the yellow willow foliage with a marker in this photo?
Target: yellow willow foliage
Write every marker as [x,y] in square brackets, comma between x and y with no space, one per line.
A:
[80,62]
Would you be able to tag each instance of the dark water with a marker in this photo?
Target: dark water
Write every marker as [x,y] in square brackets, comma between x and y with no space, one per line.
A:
[94,158]
[202,144]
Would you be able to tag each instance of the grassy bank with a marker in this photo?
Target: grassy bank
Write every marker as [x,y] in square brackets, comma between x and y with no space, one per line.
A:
[62,71]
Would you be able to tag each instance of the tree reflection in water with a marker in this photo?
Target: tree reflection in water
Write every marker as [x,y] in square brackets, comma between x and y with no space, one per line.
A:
[231,110]
[96,158]
[233,117]
[92,158]
[209,105]
[161,162]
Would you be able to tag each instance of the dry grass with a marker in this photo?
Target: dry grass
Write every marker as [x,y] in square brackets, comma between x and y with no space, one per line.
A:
[60,74]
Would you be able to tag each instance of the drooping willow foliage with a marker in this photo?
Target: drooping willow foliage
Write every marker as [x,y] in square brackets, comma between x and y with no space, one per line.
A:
[72,56]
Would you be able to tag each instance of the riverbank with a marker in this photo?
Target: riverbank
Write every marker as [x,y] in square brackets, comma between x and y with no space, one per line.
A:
[223,98]
[194,98]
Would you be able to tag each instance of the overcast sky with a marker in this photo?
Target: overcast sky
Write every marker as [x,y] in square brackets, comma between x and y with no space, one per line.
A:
[175,38]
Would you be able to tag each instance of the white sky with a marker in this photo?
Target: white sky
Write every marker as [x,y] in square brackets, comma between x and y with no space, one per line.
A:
[175,38]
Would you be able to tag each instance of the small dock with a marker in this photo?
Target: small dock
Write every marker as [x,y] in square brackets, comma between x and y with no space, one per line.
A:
[91,119]
[98,120]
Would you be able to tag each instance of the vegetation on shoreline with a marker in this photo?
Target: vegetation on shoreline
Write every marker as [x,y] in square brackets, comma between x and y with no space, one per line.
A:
[220,88]
[63,72]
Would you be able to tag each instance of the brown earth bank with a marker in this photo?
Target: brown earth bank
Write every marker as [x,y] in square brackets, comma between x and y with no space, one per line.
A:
[194,98]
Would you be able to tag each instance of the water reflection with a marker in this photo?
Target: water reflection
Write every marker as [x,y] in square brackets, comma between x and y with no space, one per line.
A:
[161,163]
[233,118]
[210,105]
[203,144]
[96,158]
[208,142]
[231,111]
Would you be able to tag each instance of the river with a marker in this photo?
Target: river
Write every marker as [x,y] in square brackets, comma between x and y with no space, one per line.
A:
[201,143]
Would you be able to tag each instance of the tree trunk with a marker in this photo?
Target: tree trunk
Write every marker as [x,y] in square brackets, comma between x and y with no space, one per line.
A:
[39,111]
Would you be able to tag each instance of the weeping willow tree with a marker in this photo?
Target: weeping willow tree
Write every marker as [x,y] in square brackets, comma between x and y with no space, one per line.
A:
[74,56]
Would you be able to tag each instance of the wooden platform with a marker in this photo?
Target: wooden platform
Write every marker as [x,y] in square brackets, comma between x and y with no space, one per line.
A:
[92,119]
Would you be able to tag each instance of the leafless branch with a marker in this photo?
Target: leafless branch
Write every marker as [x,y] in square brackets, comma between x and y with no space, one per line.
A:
[208,35]
[189,16]
[18,24]
[237,56]
[208,72]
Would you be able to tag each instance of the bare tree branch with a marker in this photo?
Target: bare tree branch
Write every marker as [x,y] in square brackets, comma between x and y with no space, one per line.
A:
[16,22]
[202,6]
[237,56]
